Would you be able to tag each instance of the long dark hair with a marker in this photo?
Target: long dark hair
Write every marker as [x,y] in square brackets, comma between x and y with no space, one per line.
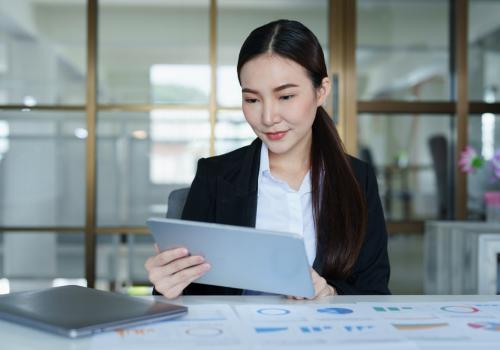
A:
[338,203]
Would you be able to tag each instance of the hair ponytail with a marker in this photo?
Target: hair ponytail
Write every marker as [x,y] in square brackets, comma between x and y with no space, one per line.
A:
[339,207]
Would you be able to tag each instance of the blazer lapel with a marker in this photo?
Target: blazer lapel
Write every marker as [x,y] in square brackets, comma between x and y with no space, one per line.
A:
[237,191]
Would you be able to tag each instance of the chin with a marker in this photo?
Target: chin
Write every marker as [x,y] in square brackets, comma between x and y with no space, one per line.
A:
[278,147]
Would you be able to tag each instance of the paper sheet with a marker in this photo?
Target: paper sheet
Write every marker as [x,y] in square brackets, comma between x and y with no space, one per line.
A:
[205,326]
[314,326]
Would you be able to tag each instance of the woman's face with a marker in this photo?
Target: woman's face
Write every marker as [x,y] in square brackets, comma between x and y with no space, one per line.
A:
[280,102]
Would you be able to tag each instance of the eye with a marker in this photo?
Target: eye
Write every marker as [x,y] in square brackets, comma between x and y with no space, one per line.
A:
[250,100]
[287,97]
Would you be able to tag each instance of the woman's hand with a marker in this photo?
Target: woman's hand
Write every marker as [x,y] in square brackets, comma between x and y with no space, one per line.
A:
[173,270]
[321,287]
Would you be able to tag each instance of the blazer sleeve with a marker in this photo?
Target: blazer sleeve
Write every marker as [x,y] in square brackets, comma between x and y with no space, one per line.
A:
[371,272]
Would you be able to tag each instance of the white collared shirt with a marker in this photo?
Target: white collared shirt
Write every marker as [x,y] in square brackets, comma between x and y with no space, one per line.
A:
[281,208]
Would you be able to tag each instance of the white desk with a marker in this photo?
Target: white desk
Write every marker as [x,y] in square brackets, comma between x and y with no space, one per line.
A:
[15,337]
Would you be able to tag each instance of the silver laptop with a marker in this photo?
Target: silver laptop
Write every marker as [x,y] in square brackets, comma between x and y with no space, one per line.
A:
[74,311]
[241,257]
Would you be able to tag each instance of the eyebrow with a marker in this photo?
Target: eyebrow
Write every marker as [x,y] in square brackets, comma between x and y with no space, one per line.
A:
[276,89]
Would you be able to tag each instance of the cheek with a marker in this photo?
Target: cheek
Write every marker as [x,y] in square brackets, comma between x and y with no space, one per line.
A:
[251,115]
[302,111]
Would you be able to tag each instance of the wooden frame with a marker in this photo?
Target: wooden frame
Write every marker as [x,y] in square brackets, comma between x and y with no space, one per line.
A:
[90,214]
[460,28]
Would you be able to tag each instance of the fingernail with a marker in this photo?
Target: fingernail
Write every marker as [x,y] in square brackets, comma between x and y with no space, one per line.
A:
[182,251]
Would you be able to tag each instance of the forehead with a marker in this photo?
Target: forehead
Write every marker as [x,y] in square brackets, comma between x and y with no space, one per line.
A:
[271,70]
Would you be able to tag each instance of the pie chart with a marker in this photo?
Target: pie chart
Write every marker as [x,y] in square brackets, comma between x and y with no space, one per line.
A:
[461,309]
[273,312]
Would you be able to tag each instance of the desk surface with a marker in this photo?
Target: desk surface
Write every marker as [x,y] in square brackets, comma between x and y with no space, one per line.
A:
[339,299]
[14,337]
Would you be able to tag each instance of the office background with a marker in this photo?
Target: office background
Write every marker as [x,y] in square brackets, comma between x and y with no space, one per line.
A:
[105,107]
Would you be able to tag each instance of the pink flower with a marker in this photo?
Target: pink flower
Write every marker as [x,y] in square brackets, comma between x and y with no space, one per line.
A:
[469,160]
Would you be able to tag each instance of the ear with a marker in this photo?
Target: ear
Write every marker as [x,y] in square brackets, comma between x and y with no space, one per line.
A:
[323,91]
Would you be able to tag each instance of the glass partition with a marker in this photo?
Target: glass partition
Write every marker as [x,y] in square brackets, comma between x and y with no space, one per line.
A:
[403,50]
[40,62]
[484,51]
[142,157]
[153,52]
[411,157]
[42,168]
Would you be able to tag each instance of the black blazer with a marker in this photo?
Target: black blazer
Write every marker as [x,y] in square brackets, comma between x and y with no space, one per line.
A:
[224,191]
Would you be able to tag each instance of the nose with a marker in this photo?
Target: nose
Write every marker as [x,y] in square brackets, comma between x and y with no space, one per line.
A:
[270,114]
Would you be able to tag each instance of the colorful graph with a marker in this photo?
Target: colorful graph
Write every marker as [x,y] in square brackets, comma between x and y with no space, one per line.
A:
[487,326]
[418,326]
[273,312]
[315,329]
[358,328]
[391,308]
[460,309]
[123,332]
[270,329]
[335,310]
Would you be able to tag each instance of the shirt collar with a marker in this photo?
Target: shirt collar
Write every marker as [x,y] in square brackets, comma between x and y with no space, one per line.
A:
[264,160]
[265,170]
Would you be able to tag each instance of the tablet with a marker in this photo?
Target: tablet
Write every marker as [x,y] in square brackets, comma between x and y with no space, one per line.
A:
[241,257]
[74,311]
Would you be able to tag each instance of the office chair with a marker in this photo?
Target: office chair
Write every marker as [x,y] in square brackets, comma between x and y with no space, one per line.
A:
[438,146]
[175,205]
[176,202]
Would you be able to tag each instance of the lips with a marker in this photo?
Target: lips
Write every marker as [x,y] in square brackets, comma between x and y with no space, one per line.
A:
[276,136]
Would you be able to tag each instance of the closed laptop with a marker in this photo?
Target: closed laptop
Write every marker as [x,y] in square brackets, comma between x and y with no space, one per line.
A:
[75,311]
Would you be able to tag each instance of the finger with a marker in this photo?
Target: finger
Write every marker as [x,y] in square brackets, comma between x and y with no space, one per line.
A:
[179,288]
[327,291]
[174,291]
[165,273]
[169,255]
[163,258]
[319,286]
[168,291]
[157,249]
[189,273]
[172,288]
[180,264]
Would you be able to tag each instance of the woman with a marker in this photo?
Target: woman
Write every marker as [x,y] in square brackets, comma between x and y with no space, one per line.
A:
[294,177]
